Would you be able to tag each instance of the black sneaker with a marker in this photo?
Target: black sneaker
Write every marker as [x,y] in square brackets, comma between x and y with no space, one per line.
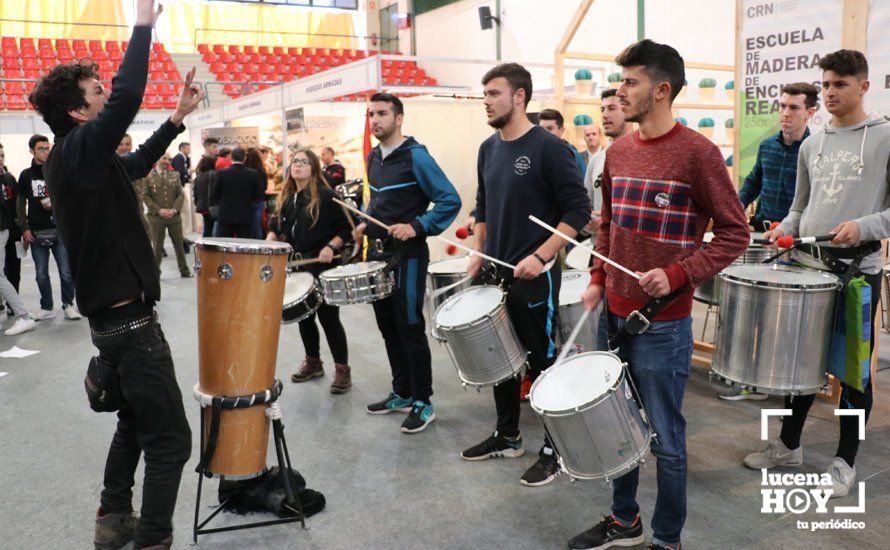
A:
[421,415]
[393,403]
[543,471]
[496,446]
[608,533]
[654,546]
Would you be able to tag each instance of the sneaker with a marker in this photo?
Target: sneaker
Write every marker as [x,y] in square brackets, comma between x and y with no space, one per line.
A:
[654,546]
[842,477]
[775,454]
[44,314]
[496,446]
[421,416]
[608,533]
[543,471]
[342,379]
[71,312]
[525,386]
[114,530]
[310,368]
[393,403]
[187,275]
[22,324]
[734,394]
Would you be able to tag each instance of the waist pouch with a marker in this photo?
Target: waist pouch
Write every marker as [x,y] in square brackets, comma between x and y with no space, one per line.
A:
[103,386]
[47,237]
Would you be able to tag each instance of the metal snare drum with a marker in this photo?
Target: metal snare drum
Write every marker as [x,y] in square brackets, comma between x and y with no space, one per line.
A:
[360,283]
[774,328]
[301,297]
[592,416]
[479,336]
[439,275]
[709,292]
[574,283]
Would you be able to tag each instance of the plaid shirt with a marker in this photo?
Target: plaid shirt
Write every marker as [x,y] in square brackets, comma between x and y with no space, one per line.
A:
[773,178]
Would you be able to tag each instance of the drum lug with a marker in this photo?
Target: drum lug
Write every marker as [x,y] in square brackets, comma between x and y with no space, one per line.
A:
[197,266]
[225,271]
[266,273]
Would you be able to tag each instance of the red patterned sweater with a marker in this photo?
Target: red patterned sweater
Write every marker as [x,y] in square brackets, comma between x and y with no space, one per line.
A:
[658,197]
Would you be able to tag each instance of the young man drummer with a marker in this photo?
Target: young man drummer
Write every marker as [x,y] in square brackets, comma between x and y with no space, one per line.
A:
[404,180]
[523,169]
[661,188]
[842,189]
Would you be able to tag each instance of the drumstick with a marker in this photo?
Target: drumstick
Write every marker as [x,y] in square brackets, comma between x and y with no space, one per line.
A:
[556,231]
[441,238]
[307,261]
[571,339]
[443,290]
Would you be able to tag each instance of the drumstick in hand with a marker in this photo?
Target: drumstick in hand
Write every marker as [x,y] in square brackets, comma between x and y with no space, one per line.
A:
[556,231]
[307,261]
[375,221]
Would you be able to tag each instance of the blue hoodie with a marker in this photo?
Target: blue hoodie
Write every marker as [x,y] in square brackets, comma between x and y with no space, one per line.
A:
[402,187]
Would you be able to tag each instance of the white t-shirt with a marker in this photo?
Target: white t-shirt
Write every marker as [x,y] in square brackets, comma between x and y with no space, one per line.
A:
[385,151]
[592,179]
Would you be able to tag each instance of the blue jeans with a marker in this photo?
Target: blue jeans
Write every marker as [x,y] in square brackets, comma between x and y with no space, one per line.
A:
[659,361]
[256,229]
[40,254]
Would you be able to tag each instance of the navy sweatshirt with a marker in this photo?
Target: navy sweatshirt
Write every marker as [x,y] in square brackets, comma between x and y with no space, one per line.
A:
[533,175]
[402,187]
[93,197]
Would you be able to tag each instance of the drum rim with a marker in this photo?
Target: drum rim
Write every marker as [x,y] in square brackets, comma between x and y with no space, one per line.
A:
[302,297]
[243,246]
[474,321]
[330,274]
[827,285]
[586,406]
[443,260]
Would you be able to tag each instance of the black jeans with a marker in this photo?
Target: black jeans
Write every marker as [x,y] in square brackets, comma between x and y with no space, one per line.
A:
[532,307]
[232,230]
[400,320]
[848,442]
[151,421]
[329,317]
[13,267]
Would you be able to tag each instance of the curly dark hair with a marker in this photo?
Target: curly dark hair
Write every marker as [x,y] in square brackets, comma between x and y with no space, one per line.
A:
[59,92]
[846,63]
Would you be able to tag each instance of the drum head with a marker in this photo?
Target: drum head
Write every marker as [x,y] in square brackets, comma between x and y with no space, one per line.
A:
[574,282]
[576,381]
[578,257]
[780,276]
[242,246]
[469,305]
[297,286]
[450,265]
[349,270]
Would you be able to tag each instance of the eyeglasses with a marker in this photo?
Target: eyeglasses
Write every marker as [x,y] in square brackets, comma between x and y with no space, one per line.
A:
[301,162]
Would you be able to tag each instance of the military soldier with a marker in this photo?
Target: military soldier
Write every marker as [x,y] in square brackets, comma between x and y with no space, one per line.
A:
[162,193]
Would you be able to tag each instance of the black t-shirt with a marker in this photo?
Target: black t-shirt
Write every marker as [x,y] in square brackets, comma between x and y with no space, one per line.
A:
[535,175]
[33,188]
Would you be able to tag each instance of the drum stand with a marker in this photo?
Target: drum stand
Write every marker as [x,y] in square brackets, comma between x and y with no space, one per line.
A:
[291,504]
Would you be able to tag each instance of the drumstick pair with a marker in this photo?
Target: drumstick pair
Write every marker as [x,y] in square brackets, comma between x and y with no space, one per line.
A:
[379,223]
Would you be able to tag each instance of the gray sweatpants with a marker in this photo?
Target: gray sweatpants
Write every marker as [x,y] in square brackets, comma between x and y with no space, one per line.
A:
[7,291]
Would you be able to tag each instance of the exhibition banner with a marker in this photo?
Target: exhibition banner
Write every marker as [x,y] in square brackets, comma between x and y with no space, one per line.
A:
[877,100]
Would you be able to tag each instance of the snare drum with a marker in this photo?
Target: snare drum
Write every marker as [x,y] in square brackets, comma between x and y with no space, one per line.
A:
[709,291]
[774,328]
[479,336]
[578,257]
[439,275]
[591,415]
[360,283]
[301,297]
[238,345]
[574,283]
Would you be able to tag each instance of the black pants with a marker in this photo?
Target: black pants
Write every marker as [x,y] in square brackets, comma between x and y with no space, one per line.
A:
[532,307]
[152,421]
[233,230]
[400,320]
[848,443]
[329,317]
[13,267]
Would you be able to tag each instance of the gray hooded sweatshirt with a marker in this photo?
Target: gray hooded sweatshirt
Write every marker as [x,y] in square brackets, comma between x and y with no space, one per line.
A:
[843,174]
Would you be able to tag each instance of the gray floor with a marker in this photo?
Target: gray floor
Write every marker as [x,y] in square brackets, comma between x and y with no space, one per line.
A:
[386,489]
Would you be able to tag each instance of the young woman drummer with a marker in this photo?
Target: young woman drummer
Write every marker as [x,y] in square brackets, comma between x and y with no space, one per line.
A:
[309,220]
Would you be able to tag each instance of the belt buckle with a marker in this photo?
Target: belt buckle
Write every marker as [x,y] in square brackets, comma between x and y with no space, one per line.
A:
[818,251]
[635,314]
[378,246]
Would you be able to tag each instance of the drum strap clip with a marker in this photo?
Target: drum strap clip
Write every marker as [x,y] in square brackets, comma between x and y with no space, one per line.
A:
[639,320]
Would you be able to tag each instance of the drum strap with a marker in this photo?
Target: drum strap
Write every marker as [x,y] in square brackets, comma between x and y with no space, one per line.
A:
[217,404]
[639,320]
[832,256]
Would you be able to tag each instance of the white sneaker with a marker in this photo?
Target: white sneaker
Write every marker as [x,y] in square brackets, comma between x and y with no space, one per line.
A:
[44,314]
[22,324]
[775,454]
[71,313]
[842,477]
